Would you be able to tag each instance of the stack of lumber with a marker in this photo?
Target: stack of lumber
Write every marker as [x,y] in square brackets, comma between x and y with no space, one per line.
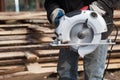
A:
[24,44]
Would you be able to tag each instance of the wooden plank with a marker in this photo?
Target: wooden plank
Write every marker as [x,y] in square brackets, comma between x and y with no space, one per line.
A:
[14,32]
[46,52]
[38,46]
[12,62]
[17,42]
[28,26]
[80,62]
[29,47]
[13,37]
[11,69]
[114,66]
[114,61]
[115,47]
[39,21]
[32,15]
[9,55]
[22,54]
[21,16]
[48,59]
[52,56]
[34,67]
[40,13]
[117,23]
[24,39]
[40,35]
[116,13]
[80,67]
[46,40]
[13,25]
[25,14]
[51,67]
[41,29]
[55,52]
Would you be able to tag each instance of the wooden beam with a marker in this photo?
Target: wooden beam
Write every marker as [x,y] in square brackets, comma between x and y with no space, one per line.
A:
[34,67]
[11,69]
[14,25]
[116,14]
[12,62]
[117,23]
[17,42]
[11,55]
[14,32]
[23,16]
[13,37]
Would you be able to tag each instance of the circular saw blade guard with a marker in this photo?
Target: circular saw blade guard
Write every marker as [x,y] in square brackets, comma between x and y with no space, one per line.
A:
[80,31]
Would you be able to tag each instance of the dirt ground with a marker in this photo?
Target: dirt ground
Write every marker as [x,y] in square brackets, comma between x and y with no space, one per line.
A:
[110,75]
[113,75]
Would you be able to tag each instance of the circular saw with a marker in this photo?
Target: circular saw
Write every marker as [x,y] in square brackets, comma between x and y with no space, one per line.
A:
[81,30]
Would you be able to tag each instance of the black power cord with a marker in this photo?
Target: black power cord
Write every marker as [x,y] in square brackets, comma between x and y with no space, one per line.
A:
[109,52]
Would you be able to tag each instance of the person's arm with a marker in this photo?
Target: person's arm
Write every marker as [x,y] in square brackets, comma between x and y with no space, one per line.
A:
[53,10]
[103,6]
[109,3]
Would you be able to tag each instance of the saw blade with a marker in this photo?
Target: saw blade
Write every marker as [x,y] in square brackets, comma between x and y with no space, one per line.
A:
[81,34]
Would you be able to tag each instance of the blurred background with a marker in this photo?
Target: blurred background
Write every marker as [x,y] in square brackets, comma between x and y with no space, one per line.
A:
[27,5]
[24,5]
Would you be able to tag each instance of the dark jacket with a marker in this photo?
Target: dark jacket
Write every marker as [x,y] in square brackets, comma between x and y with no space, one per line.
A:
[71,5]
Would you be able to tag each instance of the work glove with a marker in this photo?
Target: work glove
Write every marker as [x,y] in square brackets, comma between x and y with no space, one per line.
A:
[56,15]
[95,6]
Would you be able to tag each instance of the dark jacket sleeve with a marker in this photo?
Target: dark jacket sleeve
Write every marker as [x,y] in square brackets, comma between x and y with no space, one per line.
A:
[50,5]
[108,5]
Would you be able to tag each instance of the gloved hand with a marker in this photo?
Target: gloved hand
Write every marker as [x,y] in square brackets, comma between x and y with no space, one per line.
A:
[56,15]
[95,6]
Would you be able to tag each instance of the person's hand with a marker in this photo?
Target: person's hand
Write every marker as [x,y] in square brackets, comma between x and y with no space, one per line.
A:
[95,6]
[56,15]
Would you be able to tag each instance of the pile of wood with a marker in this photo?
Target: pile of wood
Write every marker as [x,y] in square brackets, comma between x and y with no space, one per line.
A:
[24,44]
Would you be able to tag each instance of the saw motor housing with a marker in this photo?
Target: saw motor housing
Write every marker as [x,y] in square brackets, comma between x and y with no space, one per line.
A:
[81,30]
